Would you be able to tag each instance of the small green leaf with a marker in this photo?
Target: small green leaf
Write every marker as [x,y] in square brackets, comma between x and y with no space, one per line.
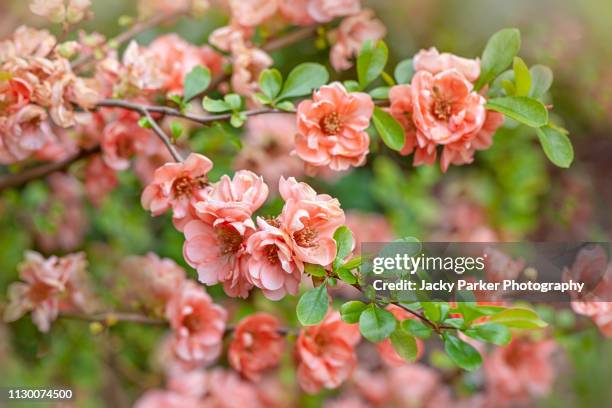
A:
[351,86]
[404,71]
[518,318]
[303,79]
[389,129]
[388,79]
[508,87]
[177,129]
[196,82]
[350,311]
[315,270]
[522,77]
[346,275]
[233,100]
[382,92]
[432,311]
[541,80]
[556,146]
[237,119]
[523,109]
[404,344]
[371,62]
[376,324]
[353,263]
[286,106]
[490,332]
[462,354]
[215,105]
[145,123]
[501,48]
[270,82]
[312,306]
[344,242]
[416,328]
[263,99]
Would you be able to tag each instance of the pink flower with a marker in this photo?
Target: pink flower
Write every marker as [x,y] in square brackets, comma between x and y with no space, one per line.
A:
[350,36]
[23,133]
[178,186]
[140,72]
[519,370]
[27,42]
[326,353]
[331,128]
[100,180]
[198,324]
[267,146]
[433,62]
[61,11]
[272,266]
[323,11]
[122,138]
[257,345]
[310,220]
[166,399]
[177,58]
[251,13]
[368,227]
[296,12]
[385,348]
[228,390]
[232,36]
[412,385]
[248,63]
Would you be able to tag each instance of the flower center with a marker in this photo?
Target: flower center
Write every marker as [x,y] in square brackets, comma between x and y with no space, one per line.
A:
[331,124]
[273,222]
[229,240]
[271,252]
[184,186]
[306,237]
[442,109]
[192,323]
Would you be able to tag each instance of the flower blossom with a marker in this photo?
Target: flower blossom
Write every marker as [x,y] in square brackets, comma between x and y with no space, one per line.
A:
[248,63]
[45,288]
[432,61]
[323,11]
[61,11]
[178,186]
[257,345]
[352,33]
[197,322]
[149,8]
[251,13]
[326,353]
[332,128]
[166,399]
[100,180]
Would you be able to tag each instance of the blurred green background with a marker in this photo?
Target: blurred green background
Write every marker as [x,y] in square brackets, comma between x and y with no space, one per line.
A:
[511,188]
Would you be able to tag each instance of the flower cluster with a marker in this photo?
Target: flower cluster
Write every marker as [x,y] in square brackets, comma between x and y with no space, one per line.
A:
[440,108]
[223,242]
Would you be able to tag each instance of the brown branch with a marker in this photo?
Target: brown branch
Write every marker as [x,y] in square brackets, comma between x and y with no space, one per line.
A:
[19,179]
[162,135]
[290,38]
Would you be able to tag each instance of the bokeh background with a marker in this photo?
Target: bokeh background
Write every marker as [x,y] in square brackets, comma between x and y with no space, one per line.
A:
[511,193]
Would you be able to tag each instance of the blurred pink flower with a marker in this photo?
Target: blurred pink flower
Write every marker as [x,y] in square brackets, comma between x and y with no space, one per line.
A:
[23,133]
[149,8]
[368,227]
[272,266]
[251,13]
[61,11]
[518,371]
[248,63]
[178,186]
[433,62]
[331,128]
[100,180]
[140,72]
[310,220]
[268,142]
[326,353]
[228,390]
[177,58]
[350,36]
[296,12]
[412,385]
[257,345]
[27,42]
[198,324]
[323,11]
[500,266]
[158,398]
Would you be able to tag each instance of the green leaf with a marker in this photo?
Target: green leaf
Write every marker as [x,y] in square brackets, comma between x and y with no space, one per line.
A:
[541,80]
[404,344]
[416,328]
[389,129]
[344,243]
[315,270]
[195,82]
[312,306]
[286,106]
[501,48]
[303,79]
[353,263]
[346,275]
[376,324]
[382,92]
[371,62]
[522,77]
[404,71]
[462,354]
[215,105]
[518,318]
[270,82]
[351,86]
[556,146]
[523,109]
[145,123]
[508,86]
[490,332]
[233,100]
[435,311]
[177,129]
[237,119]
[351,311]
[263,99]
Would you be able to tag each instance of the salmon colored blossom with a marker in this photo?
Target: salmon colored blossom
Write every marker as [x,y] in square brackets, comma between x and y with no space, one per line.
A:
[197,322]
[178,186]
[158,398]
[257,345]
[100,180]
[323,11]
[433,62]
[326,353]
[61,11]
[296,12]
[248,63]
[272,265]
[251,13]
[350,36]
[310,220]
[227,390]
[332,128]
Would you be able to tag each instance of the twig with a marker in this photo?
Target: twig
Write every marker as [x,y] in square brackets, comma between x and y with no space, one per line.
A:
[22,178]
[162,135]
[289,39]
